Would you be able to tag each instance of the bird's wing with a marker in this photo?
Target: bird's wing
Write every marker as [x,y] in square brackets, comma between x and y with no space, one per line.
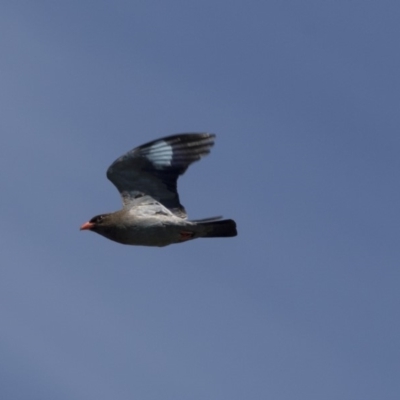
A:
[153,168]
[146,206]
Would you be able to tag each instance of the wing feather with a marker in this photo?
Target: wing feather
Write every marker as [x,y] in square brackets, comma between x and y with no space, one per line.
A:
[153,169]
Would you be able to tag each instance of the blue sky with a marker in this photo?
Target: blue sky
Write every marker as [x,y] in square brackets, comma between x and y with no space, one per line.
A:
[304,99]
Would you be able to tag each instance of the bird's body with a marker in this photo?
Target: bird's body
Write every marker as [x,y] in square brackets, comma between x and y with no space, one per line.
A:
[146,178]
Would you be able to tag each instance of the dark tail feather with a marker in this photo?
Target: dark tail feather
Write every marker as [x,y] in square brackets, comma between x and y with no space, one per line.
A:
[224,228]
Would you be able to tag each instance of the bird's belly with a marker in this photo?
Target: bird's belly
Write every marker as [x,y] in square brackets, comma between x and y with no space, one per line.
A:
[157,235]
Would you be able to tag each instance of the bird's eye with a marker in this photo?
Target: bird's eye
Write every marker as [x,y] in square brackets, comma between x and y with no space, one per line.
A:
[97,219]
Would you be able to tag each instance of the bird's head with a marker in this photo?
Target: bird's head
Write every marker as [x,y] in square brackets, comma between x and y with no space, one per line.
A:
[113,226]
[97,223]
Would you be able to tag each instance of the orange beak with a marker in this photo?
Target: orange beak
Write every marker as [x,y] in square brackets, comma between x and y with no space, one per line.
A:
[87,226]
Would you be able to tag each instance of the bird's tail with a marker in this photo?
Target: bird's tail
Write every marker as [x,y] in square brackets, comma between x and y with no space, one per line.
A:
[223,228]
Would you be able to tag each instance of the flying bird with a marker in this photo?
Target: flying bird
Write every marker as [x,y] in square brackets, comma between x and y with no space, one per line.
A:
[146,178]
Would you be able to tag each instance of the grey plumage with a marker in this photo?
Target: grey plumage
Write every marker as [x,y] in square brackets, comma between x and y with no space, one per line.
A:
[146,178]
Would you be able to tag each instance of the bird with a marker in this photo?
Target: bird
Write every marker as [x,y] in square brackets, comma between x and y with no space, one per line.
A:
[146,178]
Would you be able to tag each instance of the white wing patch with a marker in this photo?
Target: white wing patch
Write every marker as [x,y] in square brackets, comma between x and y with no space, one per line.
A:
[150,209]
[160,154]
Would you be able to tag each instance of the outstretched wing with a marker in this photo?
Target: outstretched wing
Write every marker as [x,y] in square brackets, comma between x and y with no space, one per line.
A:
[153,168]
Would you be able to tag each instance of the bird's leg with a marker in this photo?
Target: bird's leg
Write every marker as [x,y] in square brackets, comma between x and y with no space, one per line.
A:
[186,235]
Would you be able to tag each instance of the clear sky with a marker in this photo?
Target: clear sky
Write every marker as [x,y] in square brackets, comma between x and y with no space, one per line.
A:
[304,97]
